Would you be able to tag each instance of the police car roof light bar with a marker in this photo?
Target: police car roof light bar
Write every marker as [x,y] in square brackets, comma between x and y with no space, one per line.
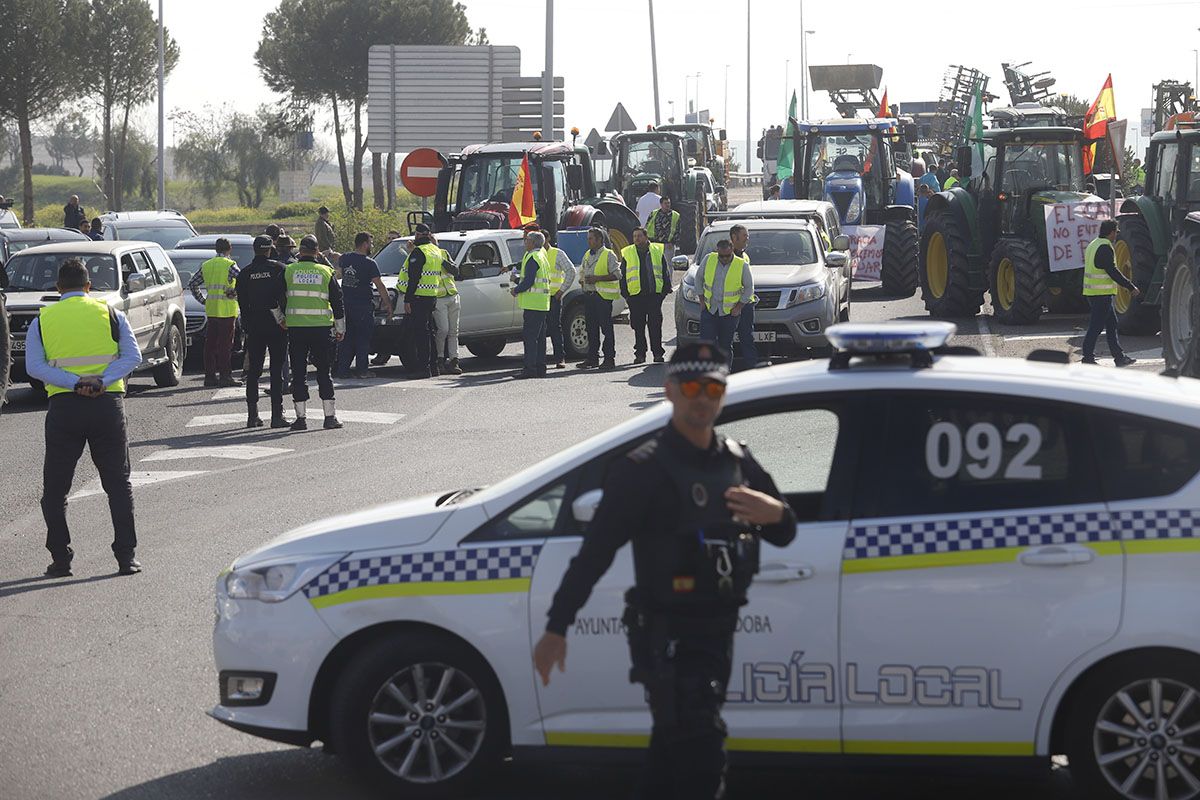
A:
[917,340]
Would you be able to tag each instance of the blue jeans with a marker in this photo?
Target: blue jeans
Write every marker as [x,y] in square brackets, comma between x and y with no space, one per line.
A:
[1103,318]
[357,344]
[533,333]
[747,351]
[718,328]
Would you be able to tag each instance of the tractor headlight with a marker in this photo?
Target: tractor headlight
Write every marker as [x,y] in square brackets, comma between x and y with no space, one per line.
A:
[854,210]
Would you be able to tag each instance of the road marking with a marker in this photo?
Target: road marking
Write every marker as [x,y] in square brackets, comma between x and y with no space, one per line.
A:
[231,393]
[985,336]
[1034,337]
[372,417]
[136,479]
[237,452]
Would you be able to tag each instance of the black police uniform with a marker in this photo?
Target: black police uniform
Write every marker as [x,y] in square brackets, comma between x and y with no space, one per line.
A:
[260,291]
[693,564]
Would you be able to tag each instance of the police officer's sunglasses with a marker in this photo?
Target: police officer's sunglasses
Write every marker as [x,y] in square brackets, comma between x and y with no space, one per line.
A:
[692,389]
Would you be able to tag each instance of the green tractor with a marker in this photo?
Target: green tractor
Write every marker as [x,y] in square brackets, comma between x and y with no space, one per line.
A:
[713,153]
[1153,227]
[989,235]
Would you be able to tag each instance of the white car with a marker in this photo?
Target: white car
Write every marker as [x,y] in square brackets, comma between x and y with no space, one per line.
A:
[995,558]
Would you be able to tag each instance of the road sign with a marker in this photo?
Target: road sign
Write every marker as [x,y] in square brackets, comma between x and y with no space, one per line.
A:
[1147,122]
[419,171]
[593,139]
[620,120]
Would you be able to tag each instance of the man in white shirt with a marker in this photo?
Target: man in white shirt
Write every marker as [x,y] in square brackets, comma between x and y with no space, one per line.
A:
[648,203]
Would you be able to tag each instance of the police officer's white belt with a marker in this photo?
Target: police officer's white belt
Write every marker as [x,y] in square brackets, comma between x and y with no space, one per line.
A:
[81,361]
[312,312]
[306,293]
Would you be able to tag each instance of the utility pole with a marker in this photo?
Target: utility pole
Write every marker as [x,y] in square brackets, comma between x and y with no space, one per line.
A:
[748,150]
[162,175]
[548,77]
[803,67]
[654,63]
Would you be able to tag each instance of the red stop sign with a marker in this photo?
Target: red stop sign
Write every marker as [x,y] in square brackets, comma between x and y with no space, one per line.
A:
[419,171]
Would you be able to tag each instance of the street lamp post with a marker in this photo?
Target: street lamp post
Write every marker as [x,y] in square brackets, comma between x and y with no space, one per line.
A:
[162,175]
[804,73]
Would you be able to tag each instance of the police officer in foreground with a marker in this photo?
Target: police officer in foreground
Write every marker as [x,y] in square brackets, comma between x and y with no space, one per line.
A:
[261,294]
[314,312]
[694,505]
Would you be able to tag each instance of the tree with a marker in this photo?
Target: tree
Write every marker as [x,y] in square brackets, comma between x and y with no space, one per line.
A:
[73,137]
[122,46]
[316,50]
[236,149]
[38,78]
[1074,105]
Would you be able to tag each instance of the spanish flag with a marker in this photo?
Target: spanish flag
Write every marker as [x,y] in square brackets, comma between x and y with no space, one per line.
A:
[884,111]
[520,210]
[1095,124]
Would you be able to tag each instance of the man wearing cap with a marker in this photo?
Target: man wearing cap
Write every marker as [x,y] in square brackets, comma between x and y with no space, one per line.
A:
[420,282]
[694,506]
[324,231]
[262,295]
[218,275]
[314,310]
[285,249]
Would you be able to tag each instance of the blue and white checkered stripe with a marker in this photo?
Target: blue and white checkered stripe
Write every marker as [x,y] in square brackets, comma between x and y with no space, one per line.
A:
[1159,523]
[443,566]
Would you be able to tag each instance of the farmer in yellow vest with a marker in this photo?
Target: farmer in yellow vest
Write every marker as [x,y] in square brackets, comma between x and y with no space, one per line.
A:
[218,277]
[533,298]
[645,281]
[1100,280]
[725,288]
[600,281]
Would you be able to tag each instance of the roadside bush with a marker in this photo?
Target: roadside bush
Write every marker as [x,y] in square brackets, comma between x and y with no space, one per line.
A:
[286,210]
[377,223]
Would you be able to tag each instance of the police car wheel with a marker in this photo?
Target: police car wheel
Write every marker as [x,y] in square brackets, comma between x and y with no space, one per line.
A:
[420,715]
[1134,729]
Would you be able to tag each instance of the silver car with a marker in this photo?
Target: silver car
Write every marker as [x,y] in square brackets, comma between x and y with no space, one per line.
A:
[802,286]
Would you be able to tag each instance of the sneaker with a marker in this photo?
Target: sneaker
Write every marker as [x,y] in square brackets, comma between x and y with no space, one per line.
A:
[452,368]
[332,423]
[1088,360]
[301,424]
[1125,361]
[660,359]
[381,359]
[129,566]
[561,365]
[608,364]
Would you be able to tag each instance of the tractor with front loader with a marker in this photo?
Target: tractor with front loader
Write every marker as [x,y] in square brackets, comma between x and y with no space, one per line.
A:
[988,235]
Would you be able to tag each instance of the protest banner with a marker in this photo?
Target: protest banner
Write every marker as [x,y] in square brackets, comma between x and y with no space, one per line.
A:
[1070,227]
[866,251]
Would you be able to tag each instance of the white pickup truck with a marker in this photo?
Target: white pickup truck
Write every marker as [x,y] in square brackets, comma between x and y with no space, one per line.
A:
[489,316]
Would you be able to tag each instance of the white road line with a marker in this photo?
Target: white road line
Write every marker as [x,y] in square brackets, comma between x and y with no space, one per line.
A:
[137,479]
[373,417]
[1035,337]
[985,336]
[237,452]
[231,393]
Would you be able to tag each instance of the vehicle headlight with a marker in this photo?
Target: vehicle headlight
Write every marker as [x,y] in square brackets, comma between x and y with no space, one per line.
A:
[806,294]
[690,295]
[273,581]
[854,210]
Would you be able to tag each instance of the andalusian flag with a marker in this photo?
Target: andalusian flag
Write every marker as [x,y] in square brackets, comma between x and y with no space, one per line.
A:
[520,210]
[973,130]
[787,159]
[884,111]
[1095,124]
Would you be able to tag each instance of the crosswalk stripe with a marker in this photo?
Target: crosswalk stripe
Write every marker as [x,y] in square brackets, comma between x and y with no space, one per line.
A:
[372,417]
[136,479]
[237,452]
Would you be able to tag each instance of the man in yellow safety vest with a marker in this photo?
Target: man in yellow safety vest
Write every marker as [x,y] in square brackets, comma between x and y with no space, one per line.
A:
[218,276]
[645,281]
[1100,280]
[314,312]
[533,298]
[725,289]
[663,227]
[600,281]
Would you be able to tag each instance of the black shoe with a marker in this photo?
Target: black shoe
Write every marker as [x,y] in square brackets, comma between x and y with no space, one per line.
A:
[129,566]
[254,421]
[608,364]
[332,423]
[660,358]
[589,364]
[229,382]
[1125,361]
[1088,360]
[639,359]
[381,359]
[301,424]
[210,381]
[361,374]
[278,421]
[59,569]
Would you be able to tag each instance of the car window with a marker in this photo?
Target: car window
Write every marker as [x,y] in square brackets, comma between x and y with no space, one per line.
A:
[516,251]
[142,264]
[948,453]
[1143,457]
[163,270]
[534,518]
[187,265]
[767,247]
[165,235]
[485,258]
[39,273]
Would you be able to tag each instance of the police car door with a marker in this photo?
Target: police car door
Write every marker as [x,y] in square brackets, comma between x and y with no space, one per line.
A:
[979,565]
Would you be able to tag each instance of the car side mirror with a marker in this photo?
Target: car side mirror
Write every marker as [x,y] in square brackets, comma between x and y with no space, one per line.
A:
[679,262]
[841,242]
[837,260]
[468,271]
[135,282]
[584,507]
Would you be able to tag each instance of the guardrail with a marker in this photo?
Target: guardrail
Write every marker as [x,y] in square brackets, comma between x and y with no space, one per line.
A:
[745,178]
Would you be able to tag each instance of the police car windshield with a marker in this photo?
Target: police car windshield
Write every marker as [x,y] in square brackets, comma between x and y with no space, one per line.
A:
[767,247]
[30,272]
[392,257]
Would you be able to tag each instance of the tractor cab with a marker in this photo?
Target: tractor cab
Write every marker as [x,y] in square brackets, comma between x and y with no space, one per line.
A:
[850,163]
[712,151]
[671,161]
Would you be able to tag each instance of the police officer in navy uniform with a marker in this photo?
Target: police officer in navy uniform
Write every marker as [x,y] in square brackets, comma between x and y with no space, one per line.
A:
[694,505]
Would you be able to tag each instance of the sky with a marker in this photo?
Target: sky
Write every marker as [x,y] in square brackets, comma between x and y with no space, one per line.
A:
[604,56]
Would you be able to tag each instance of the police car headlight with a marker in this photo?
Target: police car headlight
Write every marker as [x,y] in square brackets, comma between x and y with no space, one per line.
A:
[806,294]
[690,295]
[854,210]
[274,581]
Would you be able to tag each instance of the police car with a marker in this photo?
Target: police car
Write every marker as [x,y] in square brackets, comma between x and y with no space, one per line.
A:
[995,559]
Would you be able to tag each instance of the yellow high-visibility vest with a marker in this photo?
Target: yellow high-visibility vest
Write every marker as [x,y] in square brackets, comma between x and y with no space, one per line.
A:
[77,337]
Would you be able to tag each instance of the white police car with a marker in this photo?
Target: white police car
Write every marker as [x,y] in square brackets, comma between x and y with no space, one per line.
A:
[995,558]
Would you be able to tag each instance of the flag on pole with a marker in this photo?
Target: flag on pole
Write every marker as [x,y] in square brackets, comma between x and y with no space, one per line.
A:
[974,127]
[787,159]
[521,211]
[884,111]
[1095,123]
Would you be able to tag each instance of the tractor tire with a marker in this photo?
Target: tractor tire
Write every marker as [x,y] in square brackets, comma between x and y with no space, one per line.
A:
[1179,298]
[900,245]
[691,224]
[944,265]
[1137,262]
[1018,282]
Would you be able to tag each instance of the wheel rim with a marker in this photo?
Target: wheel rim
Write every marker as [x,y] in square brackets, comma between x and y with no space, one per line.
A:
[1146,740]
[577,331]
[427,723]
[1182,288]
[937,265]
[1124,261]
[176,351]
[1006,283]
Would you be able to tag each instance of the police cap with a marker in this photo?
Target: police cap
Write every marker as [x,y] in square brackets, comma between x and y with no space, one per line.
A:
[308,242]
[263,242]
[700,360]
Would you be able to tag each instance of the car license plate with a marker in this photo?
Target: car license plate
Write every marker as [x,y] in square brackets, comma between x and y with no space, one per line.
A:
[759,336]
[18,345]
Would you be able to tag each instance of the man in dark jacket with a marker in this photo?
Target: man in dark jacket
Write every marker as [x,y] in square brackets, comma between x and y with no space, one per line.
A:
[73,213]
[261,293]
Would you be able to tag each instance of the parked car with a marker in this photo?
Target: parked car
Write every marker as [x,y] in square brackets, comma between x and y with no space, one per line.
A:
[802,286]
[242,244]
[8,220]
[489,316]
[165,228]
[187,262]
[136,278]
[14,240]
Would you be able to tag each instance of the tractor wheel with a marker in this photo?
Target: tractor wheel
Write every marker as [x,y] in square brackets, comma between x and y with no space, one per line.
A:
[1136,261]
[1018,282]
[1178,300]
[944,266]
[900,245]
[690,216]
[618,240]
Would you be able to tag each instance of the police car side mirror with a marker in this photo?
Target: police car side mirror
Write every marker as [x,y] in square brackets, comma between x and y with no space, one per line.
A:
[584,507]
[841,242]
[679,262]
[135,282]
[836,260]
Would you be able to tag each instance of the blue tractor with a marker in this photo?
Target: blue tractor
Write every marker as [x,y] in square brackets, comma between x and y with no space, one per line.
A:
[851,163]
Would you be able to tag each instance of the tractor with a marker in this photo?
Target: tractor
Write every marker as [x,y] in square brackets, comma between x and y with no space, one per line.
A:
[658,157]
[1153,229]
[989,234]
[475,190]
[714,154]
[850,163]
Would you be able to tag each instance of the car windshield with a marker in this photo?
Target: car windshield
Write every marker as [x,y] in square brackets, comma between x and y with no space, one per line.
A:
[654,157]
[488,178]
[165,235]
[243,253]
[34,272]
[392,257]
[767,247]
[1039,166]
[186,263]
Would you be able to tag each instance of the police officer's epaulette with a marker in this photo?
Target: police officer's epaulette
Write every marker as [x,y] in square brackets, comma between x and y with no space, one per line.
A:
[643,452]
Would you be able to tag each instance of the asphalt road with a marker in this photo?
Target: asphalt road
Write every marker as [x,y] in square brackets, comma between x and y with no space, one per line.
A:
[105,679]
